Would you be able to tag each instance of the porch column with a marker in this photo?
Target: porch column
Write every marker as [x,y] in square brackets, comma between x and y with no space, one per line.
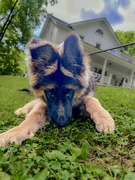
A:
[103,71]
[109,79]
[124,84]
[131,78]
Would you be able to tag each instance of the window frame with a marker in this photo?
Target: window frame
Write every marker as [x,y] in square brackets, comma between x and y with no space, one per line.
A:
[100,32]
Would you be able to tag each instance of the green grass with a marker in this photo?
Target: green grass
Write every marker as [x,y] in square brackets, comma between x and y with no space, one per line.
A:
[74,152]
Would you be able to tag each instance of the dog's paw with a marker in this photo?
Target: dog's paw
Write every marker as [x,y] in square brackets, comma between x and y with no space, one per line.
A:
[21,111]
[103,121]
[16,135]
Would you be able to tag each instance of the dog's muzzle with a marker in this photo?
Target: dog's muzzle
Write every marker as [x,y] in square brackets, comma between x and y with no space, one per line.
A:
[61,122]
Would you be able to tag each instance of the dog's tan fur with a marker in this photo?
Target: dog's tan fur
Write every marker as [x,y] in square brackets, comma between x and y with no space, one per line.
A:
[36,114]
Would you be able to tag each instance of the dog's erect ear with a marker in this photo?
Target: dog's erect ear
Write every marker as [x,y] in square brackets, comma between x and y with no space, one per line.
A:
[72,55]
[40,50]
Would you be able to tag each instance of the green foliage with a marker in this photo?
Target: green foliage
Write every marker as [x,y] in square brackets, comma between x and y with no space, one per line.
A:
[77,151]
[18,18]
[125,38]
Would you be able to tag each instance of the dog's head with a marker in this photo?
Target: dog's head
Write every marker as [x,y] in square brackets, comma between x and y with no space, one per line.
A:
[55,75]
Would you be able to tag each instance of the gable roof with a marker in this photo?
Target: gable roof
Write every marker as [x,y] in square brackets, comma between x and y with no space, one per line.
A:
[59,21]
[104,20]
[56,21]
[71,26]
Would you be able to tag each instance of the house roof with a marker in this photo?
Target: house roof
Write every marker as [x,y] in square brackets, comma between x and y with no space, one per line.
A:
[71,26]
[103,19]
[114,58]
[59,21]
[55,20]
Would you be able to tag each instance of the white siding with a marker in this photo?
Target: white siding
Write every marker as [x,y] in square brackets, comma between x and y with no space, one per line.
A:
[50,32]
[88,31]
[62,33]
[55,33]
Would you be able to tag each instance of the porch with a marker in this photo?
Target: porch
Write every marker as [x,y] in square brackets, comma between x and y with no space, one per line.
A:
[107,80]
[112,70]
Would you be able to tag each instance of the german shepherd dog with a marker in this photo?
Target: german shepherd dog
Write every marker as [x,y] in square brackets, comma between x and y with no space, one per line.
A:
[63,85]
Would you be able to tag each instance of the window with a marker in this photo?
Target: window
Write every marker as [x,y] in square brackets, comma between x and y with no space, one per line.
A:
[82,37]
[112,51]
[95,69]
[99,31]
[105,73]
[121,50]
[98,45]
[99,71]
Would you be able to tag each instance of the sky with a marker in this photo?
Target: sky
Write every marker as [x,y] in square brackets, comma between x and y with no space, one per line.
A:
[119,13]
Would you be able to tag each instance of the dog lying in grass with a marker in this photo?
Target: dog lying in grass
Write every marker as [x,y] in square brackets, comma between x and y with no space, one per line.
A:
[63,84]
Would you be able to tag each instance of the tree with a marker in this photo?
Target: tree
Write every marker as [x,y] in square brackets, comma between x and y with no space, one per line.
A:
[17,20]
[125,38]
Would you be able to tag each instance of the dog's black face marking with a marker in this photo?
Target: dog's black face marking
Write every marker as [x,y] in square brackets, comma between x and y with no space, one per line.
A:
[58,74]
[59,101]
[57,78]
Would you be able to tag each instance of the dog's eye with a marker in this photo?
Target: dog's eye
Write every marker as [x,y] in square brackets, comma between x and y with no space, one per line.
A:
[69,93]
[49,94]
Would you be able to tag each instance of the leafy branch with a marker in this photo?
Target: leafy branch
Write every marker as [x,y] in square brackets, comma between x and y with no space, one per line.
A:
[8,21]
[12,15]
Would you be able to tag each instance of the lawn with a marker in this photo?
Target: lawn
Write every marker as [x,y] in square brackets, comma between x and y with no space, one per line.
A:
[76,152]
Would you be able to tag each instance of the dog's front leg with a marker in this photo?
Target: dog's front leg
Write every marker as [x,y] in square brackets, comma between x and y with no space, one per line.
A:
[102,119]
[33,122]
[27,107]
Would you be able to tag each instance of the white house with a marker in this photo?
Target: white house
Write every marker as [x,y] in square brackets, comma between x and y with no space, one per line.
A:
[113,67]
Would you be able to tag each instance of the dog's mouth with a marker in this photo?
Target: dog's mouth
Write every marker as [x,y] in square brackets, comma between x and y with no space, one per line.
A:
[61,122]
